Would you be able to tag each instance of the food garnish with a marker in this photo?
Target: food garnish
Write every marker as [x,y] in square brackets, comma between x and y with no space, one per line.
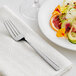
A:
[63,20]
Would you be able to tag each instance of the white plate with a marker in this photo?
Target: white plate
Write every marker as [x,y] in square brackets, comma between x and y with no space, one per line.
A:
[43,19]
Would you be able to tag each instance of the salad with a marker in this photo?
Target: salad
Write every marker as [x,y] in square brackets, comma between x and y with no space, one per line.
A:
[63,21]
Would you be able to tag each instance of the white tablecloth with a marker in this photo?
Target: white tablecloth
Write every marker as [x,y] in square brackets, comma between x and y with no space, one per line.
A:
[14,5]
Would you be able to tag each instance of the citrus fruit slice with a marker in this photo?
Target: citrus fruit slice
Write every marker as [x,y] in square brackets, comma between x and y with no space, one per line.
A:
[55,12]
[55,22]
[57,9]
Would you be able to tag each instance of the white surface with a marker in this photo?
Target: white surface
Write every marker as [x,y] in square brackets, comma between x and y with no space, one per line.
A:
[36,41]
[44,16]
[14,4]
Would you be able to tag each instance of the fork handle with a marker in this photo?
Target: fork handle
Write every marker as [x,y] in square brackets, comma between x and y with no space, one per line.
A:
[48,60]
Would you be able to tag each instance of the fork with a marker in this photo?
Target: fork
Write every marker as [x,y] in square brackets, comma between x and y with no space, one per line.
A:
[17,36]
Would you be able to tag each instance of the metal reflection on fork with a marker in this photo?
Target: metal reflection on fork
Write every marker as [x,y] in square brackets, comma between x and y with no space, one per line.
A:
[17,36]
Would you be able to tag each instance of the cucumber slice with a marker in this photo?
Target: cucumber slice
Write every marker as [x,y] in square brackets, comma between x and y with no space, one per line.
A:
[72,36]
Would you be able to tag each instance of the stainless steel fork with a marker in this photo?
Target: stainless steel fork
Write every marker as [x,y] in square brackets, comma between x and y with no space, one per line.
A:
[16,35]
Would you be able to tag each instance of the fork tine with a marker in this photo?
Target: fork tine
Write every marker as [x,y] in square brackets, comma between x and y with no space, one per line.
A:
[9,29]
[14,28]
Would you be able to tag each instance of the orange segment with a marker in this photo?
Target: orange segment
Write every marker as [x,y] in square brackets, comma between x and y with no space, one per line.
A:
[61,33]
[58,9]
[55,12]
[51,22]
